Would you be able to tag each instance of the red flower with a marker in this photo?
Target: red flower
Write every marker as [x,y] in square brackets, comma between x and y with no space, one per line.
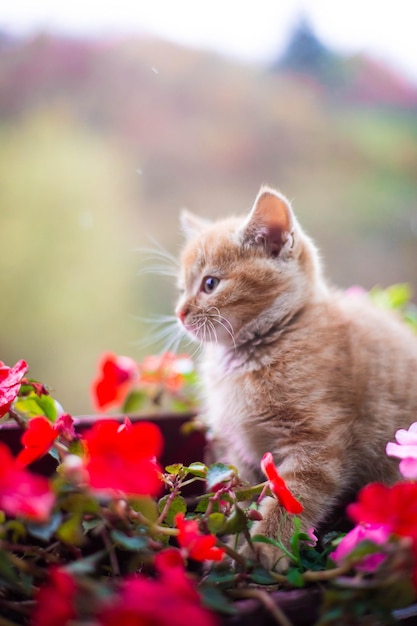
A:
[169,600]
[121,457]
[22,493]
[55,600]
[393,507]
[40,435]
[10,380]
[278,486]
[166,370]
[114,381]
[37,440]
[199,547]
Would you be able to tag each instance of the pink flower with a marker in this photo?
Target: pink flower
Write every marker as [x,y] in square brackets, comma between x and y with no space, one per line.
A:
[10,381]
[122,457]
[405,449]
[22,493]
[198,546]
[312,538]
[117,373]
[278,486]
[363,532]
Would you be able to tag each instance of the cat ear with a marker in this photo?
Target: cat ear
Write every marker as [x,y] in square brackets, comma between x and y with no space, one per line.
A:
[270,223]
[192,225]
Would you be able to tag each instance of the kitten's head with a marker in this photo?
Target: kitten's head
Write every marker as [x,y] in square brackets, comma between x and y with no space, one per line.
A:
[241,276]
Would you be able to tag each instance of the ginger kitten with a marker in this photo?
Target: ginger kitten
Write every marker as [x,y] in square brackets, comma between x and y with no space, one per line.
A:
[319,378]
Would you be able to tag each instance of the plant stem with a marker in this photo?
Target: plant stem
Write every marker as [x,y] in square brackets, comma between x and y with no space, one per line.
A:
[168,502]
[326,574]
[112,554]
[264,598]
[40,552]
[153,526]
[231,552]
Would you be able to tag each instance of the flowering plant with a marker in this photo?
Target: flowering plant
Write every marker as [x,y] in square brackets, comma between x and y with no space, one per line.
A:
[166,381]
[111,533]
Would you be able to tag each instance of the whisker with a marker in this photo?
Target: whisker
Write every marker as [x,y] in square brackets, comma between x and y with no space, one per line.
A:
[159,252]
[222,321]
[158,269]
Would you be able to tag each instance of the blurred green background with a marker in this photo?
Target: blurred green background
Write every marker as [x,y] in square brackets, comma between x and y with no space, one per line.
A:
[103,142]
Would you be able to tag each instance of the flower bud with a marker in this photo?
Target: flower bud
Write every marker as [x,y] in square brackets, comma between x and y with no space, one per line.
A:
[72,469]
[254,515]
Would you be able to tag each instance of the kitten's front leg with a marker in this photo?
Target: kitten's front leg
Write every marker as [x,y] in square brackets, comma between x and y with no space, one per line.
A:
[277,524]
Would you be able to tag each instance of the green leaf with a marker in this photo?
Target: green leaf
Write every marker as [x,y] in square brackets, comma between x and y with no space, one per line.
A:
[45,531]
[90,524]
[80,503]
[263,539]
[216,523]
[147,506]
[222,575]
[261,576]
[295,577]
[71,532]
[174,469]
[215,600]
[34,406]
[87,565]
[295,539]
[197,469]
[134,401]
[218,474]
[76,447]
[8,574]
[17,529]
[236,522]
[178,505]
[129,542]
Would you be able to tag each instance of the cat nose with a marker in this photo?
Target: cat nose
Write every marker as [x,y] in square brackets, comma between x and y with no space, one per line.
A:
[182,313]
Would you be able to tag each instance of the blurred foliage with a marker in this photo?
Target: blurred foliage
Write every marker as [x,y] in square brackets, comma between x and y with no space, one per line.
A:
[102,143]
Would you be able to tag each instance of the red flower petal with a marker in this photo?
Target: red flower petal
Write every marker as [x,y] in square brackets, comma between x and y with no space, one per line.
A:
[278,486]
[153,602]
[114,380]
[22,493]
[199,547]
[394,507]
[122,457]
[37,440]
[55,600]
[10,381]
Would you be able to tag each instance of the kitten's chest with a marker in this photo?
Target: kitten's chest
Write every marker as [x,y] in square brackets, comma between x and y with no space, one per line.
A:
[231,404]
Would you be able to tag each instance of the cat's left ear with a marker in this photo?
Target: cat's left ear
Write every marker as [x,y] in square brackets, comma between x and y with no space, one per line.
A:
[192,225]
[270,223]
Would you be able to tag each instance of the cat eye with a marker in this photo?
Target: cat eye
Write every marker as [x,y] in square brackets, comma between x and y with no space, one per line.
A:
[209,284]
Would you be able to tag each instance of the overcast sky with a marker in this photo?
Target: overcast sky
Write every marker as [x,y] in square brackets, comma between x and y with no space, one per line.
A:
[248,30]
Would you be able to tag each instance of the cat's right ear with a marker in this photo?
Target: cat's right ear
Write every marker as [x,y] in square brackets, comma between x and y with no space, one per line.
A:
[192,225]
[271,223]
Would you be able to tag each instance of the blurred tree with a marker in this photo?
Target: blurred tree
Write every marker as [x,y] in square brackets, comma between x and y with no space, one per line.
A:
[306,54]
